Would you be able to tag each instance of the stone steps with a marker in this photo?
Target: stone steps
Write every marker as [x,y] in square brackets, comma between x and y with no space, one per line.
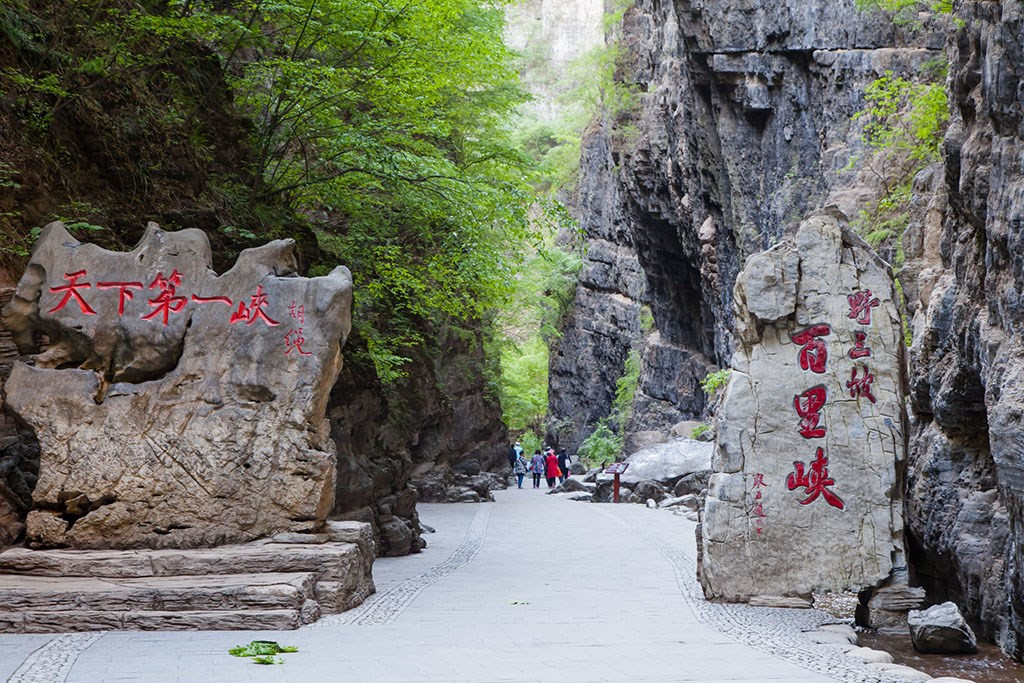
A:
[62,621]
[264,585]
[328,560]
[165,593]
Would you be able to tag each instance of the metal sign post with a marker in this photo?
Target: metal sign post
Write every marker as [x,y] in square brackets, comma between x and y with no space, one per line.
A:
[616,468]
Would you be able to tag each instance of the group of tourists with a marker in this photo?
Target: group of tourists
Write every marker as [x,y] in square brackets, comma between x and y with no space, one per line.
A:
[547,464]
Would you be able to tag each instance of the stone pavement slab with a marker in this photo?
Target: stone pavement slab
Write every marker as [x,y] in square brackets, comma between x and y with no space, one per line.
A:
[531,589]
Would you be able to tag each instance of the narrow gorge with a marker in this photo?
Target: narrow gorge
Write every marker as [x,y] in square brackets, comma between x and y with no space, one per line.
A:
[747,121]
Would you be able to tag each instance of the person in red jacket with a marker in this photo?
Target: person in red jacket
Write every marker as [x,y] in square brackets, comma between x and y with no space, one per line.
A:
[551,463]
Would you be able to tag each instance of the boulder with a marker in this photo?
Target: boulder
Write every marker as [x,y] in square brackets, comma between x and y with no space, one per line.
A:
[176,407]
[650,490]
[688,501]
[695,484]
[941,629]
[668,461]
[571,485]
[805,496]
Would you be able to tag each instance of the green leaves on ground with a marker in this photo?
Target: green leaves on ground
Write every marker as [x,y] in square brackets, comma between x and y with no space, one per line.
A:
[262,651]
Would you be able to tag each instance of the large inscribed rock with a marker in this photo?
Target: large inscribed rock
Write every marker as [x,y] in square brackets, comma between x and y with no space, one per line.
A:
[805,495]
[176,407]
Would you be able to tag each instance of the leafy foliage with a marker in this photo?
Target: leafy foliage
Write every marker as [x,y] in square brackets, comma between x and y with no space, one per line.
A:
[602,446]
[715,381]
[907,12]
[386,120]
[625,390]
[263,651]
[700,430]
[905,122]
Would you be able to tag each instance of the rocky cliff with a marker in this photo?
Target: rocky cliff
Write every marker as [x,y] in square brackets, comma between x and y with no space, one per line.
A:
[398,444]
[966,483]
[744,125]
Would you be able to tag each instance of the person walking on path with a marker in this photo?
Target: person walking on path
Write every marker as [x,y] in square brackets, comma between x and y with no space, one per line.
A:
[537,467]
[520,468]
[551,464]
[563,464]
[512,453]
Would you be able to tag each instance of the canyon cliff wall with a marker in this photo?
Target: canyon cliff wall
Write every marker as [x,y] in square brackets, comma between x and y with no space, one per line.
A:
[744,125]
[965,497]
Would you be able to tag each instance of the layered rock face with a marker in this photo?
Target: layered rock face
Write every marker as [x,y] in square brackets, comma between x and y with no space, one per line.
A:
[806,494]
[743,126]
[965,501]
[394,442]
[175,407]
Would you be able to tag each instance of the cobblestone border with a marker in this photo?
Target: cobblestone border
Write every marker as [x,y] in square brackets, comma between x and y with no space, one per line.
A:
[386,607]
[774,630]
[52,662]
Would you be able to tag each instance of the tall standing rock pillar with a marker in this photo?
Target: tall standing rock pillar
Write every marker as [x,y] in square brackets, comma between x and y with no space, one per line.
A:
[805,495]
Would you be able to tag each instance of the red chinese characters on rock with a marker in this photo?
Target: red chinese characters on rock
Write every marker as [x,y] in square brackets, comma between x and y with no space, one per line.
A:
[298,312]
[124,292]
[861,304]
[815,482]
[808,406]
[757,510]
[293,341]
[861,386]
[166,302]
[814,353]
[860,349]
[70,291]
[254,311]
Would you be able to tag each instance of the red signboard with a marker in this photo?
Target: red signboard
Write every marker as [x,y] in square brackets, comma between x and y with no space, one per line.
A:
[617,468]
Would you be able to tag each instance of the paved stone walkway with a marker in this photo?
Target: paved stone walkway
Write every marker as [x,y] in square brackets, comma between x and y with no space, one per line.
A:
[530,588]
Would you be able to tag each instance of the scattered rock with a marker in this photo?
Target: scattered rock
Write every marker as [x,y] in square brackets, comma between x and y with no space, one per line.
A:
[886,610]
[571,485]
[866,654]
[427,528]
[688,501]
[789,601]
[941,629]
[650,490]
[902,673]
[696,484]
[834,634]
[651,504]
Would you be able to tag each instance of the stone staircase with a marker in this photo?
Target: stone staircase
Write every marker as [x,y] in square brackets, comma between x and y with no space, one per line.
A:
[276,584]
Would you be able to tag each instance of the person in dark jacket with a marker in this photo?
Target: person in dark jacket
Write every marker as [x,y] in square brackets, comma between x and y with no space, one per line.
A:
[563,464]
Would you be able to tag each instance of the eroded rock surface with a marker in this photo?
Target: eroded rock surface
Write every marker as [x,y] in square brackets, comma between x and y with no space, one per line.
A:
[965,498]
[806,491]
[176,407]
[744,125]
